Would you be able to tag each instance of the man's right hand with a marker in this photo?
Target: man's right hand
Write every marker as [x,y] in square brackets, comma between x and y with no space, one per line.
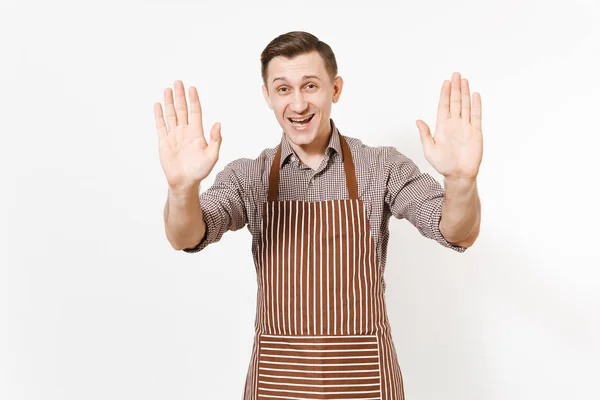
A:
[185,157]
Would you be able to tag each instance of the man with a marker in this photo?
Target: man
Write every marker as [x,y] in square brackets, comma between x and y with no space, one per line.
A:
[318,206]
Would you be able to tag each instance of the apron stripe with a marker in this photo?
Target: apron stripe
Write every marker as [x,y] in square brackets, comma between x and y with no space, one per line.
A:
[315,281]
[335,266]
[296,251]
[322,265]
[278,268]
[361,282]
[349,299]
[352,312]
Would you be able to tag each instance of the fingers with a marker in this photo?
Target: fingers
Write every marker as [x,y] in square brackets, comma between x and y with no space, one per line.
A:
[195,109]
[455,96]
[425,133]
[196,115]
[170,109]
[181,104]
[444,103]
[215,139]
[476,111]
[455,99]
[160,121]
[465,112]
[179,116]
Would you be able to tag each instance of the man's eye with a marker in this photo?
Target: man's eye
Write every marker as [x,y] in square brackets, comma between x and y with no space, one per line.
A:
[281,89]
[311,84]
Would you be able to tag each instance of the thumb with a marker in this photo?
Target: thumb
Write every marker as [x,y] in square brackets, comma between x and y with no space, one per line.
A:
[215,138]
[425,133]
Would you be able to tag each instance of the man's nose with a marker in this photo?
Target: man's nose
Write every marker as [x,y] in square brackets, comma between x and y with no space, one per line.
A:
[298,103]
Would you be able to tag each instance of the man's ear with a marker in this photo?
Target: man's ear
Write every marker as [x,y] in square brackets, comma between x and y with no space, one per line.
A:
[338,83]
[266,96]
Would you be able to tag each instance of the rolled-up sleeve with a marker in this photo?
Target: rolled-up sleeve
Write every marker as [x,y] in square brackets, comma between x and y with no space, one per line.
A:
[223,205]
[415,196]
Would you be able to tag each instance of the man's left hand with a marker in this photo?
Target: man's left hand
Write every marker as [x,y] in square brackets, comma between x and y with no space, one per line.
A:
[456,148]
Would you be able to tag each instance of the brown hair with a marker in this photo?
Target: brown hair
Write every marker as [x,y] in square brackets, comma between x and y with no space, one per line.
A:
[294,43]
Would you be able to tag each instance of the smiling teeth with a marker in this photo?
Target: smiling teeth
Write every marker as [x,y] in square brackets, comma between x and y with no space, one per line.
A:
[300,120]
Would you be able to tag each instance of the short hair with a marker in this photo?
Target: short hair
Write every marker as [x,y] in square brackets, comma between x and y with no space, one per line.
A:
[295,43]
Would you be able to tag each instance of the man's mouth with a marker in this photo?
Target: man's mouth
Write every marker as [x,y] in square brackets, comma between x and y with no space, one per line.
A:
[300,122]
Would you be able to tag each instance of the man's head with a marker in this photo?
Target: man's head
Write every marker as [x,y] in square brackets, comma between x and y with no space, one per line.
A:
[300,81]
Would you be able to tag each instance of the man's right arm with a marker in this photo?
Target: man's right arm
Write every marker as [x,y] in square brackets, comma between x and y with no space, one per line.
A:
[184,221]
[193,220]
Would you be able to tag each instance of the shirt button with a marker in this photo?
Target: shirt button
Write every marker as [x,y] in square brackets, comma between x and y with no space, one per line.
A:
[294,158]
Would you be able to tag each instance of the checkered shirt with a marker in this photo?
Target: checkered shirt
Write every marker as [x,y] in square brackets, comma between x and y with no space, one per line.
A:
[389,183]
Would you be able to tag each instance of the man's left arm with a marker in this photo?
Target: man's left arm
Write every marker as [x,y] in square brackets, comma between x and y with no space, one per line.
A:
[461,213]
[456,151]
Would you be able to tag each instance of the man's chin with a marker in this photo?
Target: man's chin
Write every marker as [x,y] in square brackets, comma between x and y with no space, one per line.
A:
[301,140]
[300,135]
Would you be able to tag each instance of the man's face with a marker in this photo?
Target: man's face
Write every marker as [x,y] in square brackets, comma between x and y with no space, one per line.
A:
[300,89]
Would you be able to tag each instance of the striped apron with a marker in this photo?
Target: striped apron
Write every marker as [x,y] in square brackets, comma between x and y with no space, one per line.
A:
[321,325]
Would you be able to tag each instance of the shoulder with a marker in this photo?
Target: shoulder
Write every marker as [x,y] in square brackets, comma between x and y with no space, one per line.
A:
[249,164]
[380,156]
[248,172]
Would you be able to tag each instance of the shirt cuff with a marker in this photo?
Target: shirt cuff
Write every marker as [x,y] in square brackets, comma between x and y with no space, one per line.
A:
[213,218]
[434,224]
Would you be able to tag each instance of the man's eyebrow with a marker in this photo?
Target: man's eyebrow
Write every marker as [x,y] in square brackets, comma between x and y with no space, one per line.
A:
[305,77]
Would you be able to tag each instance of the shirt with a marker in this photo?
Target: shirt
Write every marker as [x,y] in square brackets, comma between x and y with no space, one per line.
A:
[389,183]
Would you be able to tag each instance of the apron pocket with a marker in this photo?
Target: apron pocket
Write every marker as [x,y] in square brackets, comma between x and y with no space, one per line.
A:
[318,367]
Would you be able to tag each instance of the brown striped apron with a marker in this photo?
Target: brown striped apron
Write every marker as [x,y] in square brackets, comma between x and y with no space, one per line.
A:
[322,330]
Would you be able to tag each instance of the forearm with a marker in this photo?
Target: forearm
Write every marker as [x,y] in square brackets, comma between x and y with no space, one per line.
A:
[184,222]
[461,213]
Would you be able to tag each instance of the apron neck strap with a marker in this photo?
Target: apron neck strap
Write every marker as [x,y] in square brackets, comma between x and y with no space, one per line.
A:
[351,183]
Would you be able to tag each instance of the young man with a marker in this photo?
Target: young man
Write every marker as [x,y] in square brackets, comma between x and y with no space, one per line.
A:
[318,206]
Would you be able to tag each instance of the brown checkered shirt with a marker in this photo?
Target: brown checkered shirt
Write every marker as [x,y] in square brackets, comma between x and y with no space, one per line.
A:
[389,183]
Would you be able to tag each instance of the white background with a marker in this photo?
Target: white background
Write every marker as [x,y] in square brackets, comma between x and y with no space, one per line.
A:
[95,304]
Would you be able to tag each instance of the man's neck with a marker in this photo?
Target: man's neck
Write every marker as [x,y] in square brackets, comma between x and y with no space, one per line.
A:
[313,153]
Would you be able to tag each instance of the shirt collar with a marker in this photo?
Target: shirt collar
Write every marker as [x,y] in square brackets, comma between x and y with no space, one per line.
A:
[334,144]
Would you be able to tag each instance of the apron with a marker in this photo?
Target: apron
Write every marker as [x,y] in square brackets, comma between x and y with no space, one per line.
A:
[321,328]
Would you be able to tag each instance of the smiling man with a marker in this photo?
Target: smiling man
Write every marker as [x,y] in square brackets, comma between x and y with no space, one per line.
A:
[301,91]
[318,206]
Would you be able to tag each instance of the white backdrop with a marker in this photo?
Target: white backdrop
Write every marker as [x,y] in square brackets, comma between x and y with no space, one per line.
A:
[95,304]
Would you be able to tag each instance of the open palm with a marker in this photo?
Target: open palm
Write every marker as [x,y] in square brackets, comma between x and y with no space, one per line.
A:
[456,148]
[185,156]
